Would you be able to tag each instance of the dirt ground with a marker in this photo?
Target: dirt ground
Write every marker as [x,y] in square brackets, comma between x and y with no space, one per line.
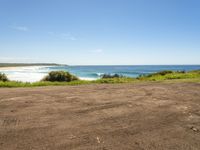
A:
[142,116]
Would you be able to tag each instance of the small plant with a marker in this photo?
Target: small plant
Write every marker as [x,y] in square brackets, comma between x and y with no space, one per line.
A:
[162,73]
[3,77]
[111,76]
[60,76]
[141,76]
[181,71]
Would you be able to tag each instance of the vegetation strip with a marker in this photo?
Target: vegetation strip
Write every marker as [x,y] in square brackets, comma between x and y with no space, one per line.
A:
[60,78]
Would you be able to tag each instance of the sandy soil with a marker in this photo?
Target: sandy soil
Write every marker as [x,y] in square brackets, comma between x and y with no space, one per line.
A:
[147,116]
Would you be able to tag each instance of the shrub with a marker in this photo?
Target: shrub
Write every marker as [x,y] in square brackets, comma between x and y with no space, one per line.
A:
[3,77]
[141,76]
[104,76]
[181,71]
[60,76]
[162,73]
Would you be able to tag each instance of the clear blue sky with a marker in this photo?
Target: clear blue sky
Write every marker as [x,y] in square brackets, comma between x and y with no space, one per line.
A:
[89,32]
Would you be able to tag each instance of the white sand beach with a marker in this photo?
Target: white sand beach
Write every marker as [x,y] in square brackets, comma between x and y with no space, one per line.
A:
[25,74]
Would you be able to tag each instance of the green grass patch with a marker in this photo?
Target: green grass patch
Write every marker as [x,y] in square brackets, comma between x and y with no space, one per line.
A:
[115,80]
[41,83]
[170,75]
[78,82]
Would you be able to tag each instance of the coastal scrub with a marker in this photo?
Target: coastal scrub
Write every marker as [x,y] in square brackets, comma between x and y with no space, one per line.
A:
[3,77]
[60,76]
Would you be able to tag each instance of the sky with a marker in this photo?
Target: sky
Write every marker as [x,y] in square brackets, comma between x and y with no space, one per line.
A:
[100,32]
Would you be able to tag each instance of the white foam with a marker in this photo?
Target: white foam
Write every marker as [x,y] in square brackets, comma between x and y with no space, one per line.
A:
[31,74]
[26,74]
[100,74]
[26,77]
[87,78]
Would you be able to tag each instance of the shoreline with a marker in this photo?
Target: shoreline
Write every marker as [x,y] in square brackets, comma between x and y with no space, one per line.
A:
[19,67]
[36,73]
[9,68]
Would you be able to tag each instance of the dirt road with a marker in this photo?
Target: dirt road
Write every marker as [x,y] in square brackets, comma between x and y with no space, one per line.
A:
[142,116]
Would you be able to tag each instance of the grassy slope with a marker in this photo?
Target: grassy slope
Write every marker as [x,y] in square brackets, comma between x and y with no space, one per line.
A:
[192,76]
[79,82]
[169,76]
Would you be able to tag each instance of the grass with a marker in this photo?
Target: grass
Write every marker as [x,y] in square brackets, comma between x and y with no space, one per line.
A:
[171,75]
[78,82]
[191,76]
[41,83]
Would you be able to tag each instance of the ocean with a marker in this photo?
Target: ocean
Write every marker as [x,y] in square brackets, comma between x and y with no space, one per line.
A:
[36,73]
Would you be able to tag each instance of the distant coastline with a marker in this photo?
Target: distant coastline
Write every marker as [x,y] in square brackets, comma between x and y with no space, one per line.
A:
[28,64]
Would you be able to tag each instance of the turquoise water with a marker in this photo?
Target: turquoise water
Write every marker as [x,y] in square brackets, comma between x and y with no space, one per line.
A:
[36,73]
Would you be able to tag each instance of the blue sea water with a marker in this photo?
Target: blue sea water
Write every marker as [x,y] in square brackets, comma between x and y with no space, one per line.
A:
[36,73]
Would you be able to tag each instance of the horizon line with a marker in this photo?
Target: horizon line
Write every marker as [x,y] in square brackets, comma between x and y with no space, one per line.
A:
[100,64]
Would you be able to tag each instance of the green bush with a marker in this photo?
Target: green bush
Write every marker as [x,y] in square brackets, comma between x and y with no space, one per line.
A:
[105,76]
[181,71]
[3,77]
[60,76]
[162,73]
